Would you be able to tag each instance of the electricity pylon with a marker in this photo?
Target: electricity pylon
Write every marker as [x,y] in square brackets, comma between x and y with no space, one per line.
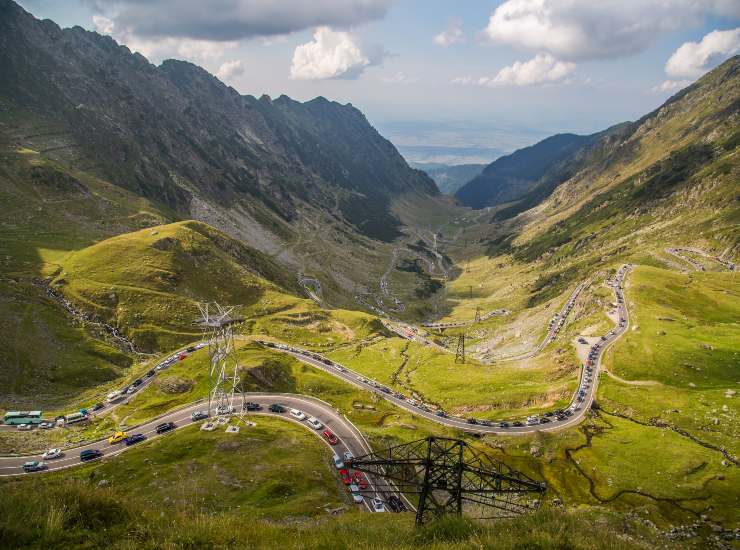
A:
[450,477]
[460,352]
[218,327]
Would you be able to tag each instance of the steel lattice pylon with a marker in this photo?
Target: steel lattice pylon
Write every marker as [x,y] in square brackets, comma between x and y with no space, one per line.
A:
[449,476]
[460,352]
[218,324]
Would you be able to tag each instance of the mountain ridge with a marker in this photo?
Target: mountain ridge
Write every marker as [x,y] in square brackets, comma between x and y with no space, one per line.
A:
[195,136]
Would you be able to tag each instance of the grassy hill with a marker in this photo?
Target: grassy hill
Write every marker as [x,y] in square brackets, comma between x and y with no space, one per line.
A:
[148,282]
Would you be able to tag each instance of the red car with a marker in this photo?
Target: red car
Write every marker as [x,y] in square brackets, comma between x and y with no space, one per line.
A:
[344,473]
[359,480]
[182,356]
[330,437]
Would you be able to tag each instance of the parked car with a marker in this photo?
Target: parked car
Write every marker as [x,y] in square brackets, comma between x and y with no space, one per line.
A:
[297,414]
[34,466]
[471,421]
[137,382]
[249,406]
[377,505]
[52,454]
[355,492]
[117,438]
[225,409]
[199,415]
[315,423]
[344,474]
[150,373]
[396,504]
[348,456]
[191,349]
[277,408]
[46,425]
[90,454]
[330,437]
[359,479]
[133,439]
[25,427]
[98,406]
[338,462]
[165,427]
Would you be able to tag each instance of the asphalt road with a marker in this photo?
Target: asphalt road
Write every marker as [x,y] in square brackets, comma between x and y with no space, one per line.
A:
[578,406]
[350,438]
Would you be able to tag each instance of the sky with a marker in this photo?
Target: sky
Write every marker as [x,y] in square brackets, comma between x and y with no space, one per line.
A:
[446,81]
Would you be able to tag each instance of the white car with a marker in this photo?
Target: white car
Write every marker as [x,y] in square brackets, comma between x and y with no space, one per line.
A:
[378,505]
[338,462]
[315,423]
[25,427]
[225,409]
[52,453]
[298,415]
[208,426]
[46,425]
[355,492]
[348,455]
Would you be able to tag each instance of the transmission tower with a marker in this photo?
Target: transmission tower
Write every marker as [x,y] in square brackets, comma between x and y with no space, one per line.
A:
[460,353]
[218,327]
[450,477]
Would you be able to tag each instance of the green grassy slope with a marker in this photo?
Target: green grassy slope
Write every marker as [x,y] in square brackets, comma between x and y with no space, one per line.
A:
[148,282]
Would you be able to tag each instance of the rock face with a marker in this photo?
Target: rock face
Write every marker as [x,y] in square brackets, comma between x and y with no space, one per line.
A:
[175,132]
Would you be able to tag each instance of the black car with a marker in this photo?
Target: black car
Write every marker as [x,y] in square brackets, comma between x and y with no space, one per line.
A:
[191,349]
[518,424]
[150,373]
[549,414]
[544,420]
[441,413]
[277,408]
[132,439]
[166,427]
[97,406]
[199,415]
[90,454]
[249,406]
[395,504]
[472,421]
[137,382]
[503,425]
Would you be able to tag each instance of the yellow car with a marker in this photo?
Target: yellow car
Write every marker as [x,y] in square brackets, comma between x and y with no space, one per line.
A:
[117,437]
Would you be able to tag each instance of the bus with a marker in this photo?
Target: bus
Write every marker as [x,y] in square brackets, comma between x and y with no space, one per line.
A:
[75,417]
[22,417]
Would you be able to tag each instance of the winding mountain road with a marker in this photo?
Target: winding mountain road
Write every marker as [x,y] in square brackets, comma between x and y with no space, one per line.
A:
[581,402]
[349,437]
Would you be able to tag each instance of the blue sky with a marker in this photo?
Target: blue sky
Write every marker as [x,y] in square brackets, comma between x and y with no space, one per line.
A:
[449,81]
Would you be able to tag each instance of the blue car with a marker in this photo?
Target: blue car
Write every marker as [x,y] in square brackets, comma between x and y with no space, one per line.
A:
[135,438]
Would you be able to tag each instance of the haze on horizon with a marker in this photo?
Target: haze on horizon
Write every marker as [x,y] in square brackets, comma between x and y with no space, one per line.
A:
[446,82]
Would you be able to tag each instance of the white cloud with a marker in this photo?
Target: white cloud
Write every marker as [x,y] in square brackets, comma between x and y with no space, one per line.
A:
[585,29]
[331,54]
[541,69]
[670,86]
[399,78]
[102,24]
[692,59]
[157,49]
[452,35]
[230,69]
